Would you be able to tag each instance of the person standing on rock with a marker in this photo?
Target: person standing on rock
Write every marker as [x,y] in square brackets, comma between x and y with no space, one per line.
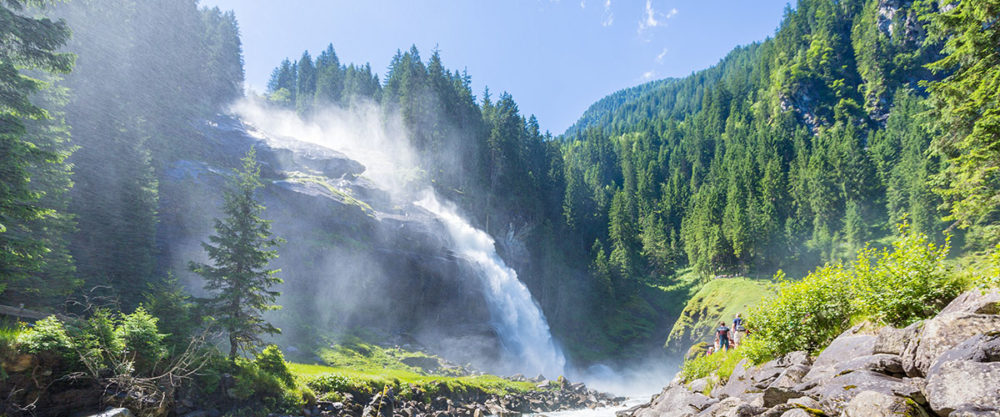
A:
[722,335]
[739,332]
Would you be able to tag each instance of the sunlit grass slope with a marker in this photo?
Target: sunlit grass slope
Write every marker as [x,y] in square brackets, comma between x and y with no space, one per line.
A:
[718,300]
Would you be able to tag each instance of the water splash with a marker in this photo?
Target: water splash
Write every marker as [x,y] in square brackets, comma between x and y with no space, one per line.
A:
[378,141]
[516,317]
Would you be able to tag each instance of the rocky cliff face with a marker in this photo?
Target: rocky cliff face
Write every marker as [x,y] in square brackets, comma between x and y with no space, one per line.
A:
[354,257]
[947,366]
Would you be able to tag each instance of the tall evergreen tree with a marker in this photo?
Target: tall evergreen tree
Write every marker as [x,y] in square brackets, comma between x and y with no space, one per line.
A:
[240,252]
[967,106]
[25,43]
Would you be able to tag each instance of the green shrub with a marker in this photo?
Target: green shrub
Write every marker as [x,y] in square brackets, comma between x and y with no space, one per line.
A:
[804,315]
[141,339]
[906,283]
[902,284]
[989,277]
[272,361]
[48,336]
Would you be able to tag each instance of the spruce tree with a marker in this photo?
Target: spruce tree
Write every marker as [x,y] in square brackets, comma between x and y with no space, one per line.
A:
[26,43]
[240,250]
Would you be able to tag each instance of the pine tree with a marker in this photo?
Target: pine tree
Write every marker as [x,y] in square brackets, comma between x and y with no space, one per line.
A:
[25,43]
[967,109]
[241,250]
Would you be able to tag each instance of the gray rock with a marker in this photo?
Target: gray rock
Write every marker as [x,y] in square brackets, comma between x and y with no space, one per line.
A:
[115,412]
[698,385]
[779,395]
[975,302]
[731,407]
[797,412]
[879,362]
[805,402]
[967,377]
[675,401]
[790,377]
[837,393]
[847,346]
[739,382]
[877,404]
[893,341]
[940,334]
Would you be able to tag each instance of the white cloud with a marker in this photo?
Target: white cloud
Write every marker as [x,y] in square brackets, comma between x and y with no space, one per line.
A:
[653,18]
[661,55]
[583,4]
[609,16]
[648,75]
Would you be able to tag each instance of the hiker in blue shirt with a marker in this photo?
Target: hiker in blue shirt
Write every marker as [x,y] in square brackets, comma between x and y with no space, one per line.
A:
[739,332]
[722,335]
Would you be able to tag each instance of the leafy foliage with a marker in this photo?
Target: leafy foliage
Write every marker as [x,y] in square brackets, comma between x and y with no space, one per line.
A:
[894,286]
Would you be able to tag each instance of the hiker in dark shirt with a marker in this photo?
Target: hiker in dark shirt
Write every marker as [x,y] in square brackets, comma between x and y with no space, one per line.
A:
[739,332]
[722,334]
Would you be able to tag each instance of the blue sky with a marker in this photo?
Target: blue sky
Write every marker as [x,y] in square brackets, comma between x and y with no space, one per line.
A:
[556,57]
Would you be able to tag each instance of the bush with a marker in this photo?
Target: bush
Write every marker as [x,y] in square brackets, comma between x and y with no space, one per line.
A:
[141,339]
[894,286]
[804,315]
[721,363]
[904,284]
[272,361]
[989,276]
[48,336]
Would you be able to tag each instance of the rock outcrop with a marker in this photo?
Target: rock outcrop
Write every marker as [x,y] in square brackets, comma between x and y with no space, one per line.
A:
[946,366]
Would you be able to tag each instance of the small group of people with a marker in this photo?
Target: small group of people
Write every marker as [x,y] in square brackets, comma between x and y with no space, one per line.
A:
[726,338]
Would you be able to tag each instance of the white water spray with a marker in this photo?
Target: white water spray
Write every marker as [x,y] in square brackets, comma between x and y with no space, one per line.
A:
[362,134]
[516,317]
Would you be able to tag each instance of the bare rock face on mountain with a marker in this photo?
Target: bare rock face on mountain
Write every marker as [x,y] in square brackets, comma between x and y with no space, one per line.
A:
[947,366]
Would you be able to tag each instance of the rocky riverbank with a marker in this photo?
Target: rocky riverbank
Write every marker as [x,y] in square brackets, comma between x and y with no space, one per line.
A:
[946,366]
[550,396]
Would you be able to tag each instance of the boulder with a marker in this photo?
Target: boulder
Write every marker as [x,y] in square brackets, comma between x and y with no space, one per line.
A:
[797,412]
[779,395]
[849,345]
[877,404]
[966,378]
[835,394]
[976,302]
[731,407]
[739,382]
[879,362]
[893,341]
[675,401]
[790,377]
[115,412]
[805,402]
[698,385]
[940,334]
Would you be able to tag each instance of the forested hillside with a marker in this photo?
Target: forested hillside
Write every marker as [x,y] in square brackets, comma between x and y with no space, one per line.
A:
[786,154]
[790,152]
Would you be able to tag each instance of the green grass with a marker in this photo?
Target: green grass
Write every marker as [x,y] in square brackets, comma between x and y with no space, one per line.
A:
[721,364]
[301,177]
[718,300]
[359,367]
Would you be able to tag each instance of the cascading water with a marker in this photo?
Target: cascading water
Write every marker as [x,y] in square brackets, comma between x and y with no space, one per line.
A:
[516,317]
[363,134]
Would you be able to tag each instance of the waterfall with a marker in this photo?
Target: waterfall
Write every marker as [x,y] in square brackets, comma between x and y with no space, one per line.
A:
[516,317]
[363,133]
